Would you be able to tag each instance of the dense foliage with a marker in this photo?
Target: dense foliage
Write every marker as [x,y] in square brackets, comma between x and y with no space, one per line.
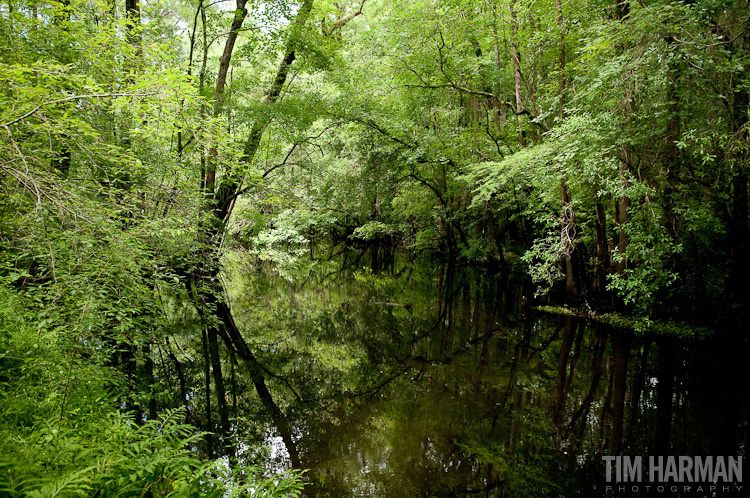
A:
[597,151]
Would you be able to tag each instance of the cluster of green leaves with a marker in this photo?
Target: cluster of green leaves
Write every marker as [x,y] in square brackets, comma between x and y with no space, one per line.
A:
[99,219]
[281,239]
[374,231]
[413,134]
[62,433]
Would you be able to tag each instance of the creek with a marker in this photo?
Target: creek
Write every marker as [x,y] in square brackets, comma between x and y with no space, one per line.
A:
[421,379]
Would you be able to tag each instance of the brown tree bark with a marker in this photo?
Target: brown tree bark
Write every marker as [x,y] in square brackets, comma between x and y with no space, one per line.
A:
[567,213]
[224,197]
[133,23]
[637,387]
[225,60]
[63,156]
[209,294]
[219,202]
[150,380]
[180,376]
[516,58]
[622,205]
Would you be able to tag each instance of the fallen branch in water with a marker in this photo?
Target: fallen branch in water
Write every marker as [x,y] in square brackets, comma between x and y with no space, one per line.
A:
[406,306]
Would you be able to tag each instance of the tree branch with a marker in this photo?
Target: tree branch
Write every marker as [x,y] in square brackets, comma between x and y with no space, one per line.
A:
[71,98]
[342,21]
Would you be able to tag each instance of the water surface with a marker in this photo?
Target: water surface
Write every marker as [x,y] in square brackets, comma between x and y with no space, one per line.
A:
[426,379]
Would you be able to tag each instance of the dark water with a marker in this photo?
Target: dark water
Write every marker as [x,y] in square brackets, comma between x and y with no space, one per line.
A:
[428,380]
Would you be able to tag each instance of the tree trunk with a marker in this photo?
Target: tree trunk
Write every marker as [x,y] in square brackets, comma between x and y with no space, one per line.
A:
[133,23]
[129,369]
[567,213]
[638,385]
[229,188]
[180,376]
[621,217]
[237,342]
[621,214]
[221,82]
[150,380]
[567,236]
[204,284]
[515,56]
[600,346]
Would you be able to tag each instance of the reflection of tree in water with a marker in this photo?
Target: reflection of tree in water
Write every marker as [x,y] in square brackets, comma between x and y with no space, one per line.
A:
[393,379]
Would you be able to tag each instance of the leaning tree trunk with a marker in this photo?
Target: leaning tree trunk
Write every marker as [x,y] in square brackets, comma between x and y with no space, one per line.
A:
[203,281]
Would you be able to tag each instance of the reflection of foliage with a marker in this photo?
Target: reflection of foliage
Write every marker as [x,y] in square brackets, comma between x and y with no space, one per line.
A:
[373,282]
[449,397]
[399,405]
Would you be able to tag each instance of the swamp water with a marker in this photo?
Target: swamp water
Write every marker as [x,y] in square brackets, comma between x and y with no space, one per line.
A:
[405,380]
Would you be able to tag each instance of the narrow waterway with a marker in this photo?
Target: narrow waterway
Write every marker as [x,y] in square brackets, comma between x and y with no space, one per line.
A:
[421,379]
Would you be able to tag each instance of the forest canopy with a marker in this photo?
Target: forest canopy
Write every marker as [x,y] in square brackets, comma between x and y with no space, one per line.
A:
[596,152]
